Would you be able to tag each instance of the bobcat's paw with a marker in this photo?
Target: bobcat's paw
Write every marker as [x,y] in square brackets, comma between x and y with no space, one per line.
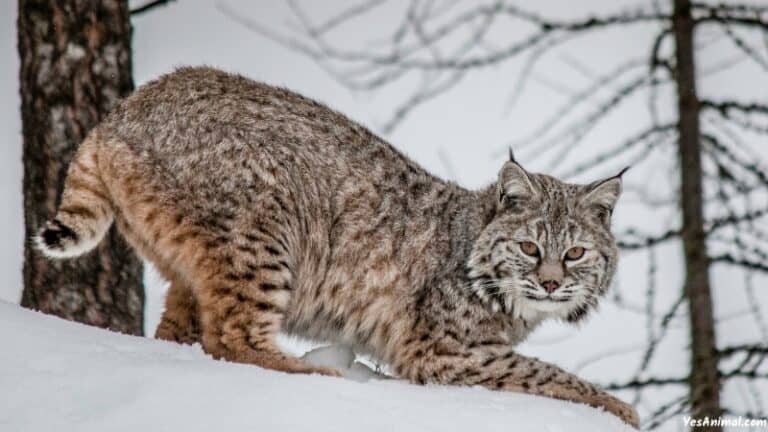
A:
[293,365]
[622,410]
[173,333]
[325,371]
[308,369]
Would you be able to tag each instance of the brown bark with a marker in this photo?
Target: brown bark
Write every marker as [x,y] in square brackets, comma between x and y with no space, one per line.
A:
[704,385]
[75,65]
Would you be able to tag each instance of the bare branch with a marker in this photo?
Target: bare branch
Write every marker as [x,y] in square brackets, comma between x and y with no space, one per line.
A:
[721,149]
[345,16]
[726,107]
[745,47]
[740,262]
[650,382]
[754,307]
[572,104]
[656,339]
[737,14]
[742,349]
[650,138]
[665,412]
[427,92]
[645,240]
[742,8]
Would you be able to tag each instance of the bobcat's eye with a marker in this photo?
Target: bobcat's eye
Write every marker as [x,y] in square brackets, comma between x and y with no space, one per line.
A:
[529,248]
[574,253]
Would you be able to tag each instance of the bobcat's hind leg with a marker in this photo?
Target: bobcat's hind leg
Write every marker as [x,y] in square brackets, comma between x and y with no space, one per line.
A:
[242,295]
[180,322]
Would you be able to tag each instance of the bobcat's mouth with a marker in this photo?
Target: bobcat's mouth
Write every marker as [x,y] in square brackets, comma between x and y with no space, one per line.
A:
[551,298]
[550,303]
[530,292]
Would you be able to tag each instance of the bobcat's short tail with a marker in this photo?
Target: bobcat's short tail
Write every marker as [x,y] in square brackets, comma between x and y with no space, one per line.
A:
[85,213]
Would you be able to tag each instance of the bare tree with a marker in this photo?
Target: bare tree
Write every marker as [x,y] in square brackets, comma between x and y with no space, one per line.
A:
[75,65]
[440,43]
[704,382]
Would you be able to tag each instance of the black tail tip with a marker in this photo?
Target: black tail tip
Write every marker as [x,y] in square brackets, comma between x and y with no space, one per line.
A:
[56,235]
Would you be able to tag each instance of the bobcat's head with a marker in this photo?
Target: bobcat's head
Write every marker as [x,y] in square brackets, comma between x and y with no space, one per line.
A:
[549,251]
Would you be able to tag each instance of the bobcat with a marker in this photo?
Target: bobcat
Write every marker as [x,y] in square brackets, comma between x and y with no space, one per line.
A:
[268,211]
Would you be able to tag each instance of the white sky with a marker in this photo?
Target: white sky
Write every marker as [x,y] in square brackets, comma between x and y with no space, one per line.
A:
[468,126]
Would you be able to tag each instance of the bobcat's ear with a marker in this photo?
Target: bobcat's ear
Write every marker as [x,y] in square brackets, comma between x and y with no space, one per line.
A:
[601,196]
[514,183]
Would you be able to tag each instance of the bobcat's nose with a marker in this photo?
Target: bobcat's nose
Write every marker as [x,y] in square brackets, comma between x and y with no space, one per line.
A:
[550,275]
[550,285]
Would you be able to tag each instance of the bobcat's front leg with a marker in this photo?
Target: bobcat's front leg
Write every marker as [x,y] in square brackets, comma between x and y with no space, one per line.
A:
[180,321]
[507,370]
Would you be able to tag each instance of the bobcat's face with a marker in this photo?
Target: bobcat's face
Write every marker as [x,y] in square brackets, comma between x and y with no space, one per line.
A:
[549,251]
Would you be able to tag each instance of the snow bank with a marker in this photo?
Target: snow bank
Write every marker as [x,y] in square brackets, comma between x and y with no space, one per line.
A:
[62,376]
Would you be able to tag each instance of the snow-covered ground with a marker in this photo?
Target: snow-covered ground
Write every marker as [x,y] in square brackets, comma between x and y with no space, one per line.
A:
[63,376]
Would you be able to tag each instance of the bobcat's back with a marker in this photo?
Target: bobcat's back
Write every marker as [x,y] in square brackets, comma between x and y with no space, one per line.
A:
[217,130]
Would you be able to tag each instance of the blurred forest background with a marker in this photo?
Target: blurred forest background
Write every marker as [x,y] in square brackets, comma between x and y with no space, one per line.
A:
[674,88]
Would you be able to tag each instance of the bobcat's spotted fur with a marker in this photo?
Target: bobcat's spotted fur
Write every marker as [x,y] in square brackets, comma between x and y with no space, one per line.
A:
[268,211]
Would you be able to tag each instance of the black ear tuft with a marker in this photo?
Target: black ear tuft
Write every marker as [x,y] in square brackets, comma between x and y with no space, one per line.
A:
[621,173]
[511,155]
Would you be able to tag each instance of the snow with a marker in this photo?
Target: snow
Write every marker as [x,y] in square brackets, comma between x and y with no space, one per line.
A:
[342,358]
[64,376]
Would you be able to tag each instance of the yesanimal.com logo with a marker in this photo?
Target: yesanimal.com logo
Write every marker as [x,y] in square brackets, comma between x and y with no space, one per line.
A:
[736,422]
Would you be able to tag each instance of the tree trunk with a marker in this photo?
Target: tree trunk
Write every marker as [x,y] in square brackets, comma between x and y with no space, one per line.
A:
[75,65]
[704,385]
